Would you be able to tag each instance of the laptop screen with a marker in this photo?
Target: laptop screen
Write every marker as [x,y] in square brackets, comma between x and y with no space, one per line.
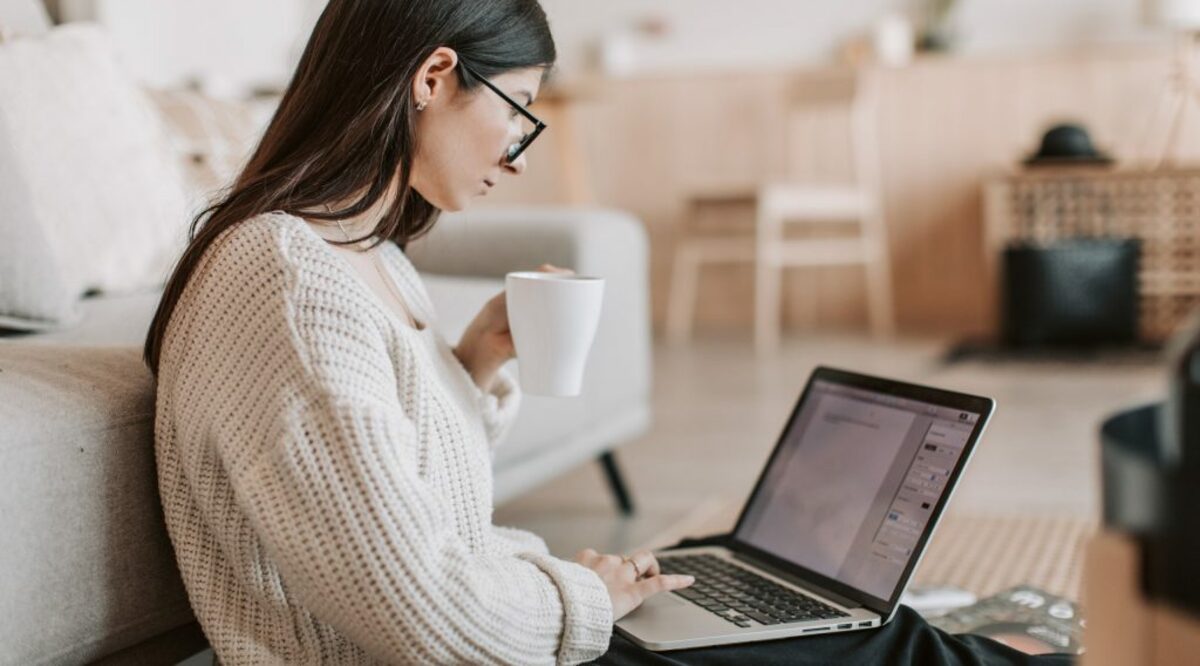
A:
[855,481]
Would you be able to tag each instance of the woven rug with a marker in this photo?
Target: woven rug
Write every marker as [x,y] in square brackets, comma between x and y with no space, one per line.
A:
[986,553]
[979,552]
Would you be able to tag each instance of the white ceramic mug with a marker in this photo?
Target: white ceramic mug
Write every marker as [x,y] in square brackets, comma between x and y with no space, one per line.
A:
[553,318]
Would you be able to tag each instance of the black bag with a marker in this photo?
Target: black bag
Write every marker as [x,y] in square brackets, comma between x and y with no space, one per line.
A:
[1071,292]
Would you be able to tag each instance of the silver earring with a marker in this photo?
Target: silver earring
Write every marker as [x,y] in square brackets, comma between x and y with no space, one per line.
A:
[421,106]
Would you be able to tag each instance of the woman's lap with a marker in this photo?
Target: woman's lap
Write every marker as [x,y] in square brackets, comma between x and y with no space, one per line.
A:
[907,639]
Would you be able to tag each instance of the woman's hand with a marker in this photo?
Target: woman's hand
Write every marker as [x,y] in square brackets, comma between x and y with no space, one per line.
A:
[487,343]
[620,575]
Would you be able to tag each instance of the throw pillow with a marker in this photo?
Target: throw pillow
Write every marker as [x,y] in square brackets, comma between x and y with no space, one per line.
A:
[91,161]
[33,296]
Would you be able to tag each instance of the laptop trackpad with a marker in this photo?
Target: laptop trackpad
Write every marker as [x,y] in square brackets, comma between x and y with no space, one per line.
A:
[661,600]
[666,616]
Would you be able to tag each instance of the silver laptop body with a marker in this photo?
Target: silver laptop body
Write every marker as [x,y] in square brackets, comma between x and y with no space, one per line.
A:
[841,516]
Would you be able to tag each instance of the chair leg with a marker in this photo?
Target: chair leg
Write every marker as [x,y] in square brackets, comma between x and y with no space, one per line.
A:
[767,278]
[616,483]
[881,313]
[681,302]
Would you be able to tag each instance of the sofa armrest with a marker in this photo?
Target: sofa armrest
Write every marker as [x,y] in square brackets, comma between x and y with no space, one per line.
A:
[491,243]
[79,506]
[603,243]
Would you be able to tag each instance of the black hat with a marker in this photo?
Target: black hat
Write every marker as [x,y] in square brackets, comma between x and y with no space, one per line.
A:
[1067,144]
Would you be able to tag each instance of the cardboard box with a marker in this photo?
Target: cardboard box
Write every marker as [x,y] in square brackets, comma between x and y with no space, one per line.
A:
[1123,627]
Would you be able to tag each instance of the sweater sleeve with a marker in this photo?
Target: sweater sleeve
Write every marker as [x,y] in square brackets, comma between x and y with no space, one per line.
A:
[498,406]
[517,541]
[333,493]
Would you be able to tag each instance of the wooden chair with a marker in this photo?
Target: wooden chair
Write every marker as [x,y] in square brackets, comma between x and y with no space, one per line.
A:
[780,207]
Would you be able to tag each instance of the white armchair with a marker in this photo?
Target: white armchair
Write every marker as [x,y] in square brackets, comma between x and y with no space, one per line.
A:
[464,261]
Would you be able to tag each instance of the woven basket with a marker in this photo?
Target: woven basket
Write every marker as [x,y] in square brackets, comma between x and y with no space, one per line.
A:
[1161,208]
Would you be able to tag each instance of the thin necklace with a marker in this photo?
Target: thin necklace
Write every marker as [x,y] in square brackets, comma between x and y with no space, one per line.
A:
[387,281]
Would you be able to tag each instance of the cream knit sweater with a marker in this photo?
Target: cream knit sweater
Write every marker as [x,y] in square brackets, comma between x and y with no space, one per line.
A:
[325,471]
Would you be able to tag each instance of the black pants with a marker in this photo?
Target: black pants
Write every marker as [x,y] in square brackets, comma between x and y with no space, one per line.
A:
[907,639]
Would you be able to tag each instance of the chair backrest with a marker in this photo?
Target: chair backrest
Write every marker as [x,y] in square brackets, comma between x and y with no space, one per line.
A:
[831,129]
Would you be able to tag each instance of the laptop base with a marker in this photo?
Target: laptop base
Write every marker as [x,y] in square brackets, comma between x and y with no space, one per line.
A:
[668,622]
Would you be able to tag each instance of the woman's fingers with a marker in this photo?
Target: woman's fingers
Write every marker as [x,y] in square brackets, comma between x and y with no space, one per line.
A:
[626,590]
[551,268]
[647,563]
[649,587]
[611,562]
[586,555]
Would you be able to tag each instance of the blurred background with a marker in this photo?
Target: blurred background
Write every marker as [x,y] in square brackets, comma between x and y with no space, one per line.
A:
[997,196]
[690,106]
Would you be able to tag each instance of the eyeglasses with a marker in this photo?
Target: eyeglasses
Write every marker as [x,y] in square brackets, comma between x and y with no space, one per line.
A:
[515,150]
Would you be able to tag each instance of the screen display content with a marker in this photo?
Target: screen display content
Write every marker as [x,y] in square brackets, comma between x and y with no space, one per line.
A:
[855,484]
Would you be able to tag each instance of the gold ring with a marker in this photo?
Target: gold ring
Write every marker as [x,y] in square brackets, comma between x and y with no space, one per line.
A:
[636,569]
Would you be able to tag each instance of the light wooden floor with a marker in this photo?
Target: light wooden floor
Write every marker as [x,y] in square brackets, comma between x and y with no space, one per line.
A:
[719,410]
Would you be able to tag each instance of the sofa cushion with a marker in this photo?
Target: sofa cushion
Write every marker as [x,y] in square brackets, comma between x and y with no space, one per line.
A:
[87,565]
[104,321]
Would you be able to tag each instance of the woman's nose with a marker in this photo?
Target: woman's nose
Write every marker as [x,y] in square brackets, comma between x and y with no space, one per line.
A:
[515,167]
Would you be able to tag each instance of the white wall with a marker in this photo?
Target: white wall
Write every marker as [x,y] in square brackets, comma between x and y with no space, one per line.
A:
[707,33]
[239,42]
[230,45]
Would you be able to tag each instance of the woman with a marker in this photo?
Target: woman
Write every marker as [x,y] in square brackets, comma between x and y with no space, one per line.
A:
[323,455]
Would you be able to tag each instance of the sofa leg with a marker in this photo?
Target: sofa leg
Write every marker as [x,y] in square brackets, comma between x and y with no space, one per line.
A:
[616,482]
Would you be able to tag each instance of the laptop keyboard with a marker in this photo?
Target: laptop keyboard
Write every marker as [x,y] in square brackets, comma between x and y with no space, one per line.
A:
[740,596]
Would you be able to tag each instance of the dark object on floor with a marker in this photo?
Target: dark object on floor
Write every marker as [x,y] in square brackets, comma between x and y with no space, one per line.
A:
[1152,494]
[907,639]
[1067,144]
[1071,292]
[992,351]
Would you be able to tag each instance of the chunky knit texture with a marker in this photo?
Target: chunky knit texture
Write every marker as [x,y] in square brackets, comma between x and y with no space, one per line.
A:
[325,471]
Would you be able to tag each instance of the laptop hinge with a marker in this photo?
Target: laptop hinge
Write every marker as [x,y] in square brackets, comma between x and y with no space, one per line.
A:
[796,580]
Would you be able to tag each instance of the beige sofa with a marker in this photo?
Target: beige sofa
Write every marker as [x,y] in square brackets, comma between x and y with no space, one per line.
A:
[88,569]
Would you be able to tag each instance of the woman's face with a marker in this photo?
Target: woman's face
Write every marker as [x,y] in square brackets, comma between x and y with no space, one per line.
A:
[462,136]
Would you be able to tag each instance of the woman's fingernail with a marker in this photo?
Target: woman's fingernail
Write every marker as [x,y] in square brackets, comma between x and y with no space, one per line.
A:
[689,579]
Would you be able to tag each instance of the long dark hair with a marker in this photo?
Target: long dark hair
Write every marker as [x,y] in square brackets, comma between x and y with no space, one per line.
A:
[345,125]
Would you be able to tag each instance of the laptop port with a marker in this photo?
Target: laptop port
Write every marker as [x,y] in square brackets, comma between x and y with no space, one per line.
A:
[864,624]
[809,631]
[845,626]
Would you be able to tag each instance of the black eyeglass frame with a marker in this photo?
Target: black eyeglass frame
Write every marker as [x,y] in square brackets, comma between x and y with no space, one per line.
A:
[515,150]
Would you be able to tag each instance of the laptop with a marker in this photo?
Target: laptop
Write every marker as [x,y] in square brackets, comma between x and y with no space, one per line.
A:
[837,522]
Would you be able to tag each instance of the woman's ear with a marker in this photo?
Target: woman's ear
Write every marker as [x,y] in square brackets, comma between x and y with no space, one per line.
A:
[433,80]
